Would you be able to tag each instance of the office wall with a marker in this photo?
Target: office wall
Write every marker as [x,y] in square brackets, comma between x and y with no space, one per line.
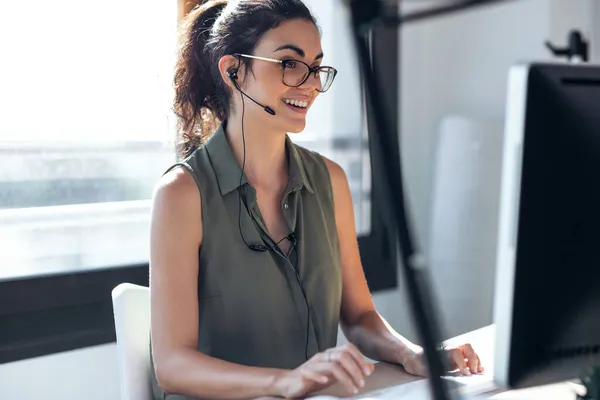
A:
[594,17]
[90,374]
[457,67]
[451,66]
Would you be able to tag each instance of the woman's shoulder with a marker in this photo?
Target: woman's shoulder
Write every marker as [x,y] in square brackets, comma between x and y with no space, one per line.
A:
[316,163]
[176,190]
[181,178]
[176,206]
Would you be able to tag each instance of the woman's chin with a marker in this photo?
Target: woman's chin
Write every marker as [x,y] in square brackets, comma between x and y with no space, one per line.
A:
[296,126]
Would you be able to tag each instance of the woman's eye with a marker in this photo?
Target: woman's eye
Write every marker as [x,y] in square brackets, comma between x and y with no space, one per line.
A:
[289,64]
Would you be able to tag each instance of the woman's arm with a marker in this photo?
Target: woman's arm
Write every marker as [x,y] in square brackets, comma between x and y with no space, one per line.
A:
[360,322]
[176,235]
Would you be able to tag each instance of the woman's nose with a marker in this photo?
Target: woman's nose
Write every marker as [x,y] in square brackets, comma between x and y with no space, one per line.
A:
[313,82]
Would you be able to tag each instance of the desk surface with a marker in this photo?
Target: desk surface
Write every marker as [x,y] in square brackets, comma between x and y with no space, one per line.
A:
[388,375]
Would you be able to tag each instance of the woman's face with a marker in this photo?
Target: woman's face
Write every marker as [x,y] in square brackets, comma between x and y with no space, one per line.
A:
[292,40]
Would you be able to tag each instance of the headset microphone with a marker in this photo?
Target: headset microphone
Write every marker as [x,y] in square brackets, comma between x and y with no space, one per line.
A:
[292,238]
[233,76]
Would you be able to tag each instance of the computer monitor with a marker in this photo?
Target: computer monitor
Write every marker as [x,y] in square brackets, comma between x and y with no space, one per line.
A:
[547,289]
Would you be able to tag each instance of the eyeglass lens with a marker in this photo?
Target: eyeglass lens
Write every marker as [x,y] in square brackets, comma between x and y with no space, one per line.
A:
[294,74]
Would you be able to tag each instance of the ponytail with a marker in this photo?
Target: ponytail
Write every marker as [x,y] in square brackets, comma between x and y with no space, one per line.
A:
[209,32]
[194,84]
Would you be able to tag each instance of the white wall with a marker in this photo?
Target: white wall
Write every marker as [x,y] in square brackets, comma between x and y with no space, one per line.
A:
[580,14]
[454,65]
[457,65]
[90,374]
[594,18]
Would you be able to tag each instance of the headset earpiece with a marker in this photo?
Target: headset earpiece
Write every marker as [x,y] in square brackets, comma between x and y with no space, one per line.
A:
[233,74]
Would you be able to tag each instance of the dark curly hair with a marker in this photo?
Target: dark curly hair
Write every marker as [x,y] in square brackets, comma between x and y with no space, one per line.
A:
[209,32]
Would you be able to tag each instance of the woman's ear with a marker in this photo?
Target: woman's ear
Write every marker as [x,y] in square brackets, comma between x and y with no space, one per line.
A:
[229,67]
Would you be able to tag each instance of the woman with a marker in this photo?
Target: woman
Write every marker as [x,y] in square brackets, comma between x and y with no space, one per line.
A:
[254,256]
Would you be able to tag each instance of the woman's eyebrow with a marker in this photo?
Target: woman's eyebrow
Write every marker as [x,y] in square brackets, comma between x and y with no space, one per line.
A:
[298,50]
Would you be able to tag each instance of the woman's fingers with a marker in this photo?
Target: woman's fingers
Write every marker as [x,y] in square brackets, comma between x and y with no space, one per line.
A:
[465,356]
[347,361]
[344,364]
[315,376]
[472,359]
[457,357]
[365,365]
[342,376]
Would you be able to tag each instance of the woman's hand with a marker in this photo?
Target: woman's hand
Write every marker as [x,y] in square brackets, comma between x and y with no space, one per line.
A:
[344,364]
[462,358]
[465,359]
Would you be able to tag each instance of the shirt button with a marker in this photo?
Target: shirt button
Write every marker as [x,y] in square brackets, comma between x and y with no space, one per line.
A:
[285,205]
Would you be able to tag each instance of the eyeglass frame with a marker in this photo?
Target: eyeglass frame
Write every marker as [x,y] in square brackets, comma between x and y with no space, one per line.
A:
[311,70]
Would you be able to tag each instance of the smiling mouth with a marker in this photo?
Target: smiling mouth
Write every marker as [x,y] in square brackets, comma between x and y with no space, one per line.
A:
[296,103]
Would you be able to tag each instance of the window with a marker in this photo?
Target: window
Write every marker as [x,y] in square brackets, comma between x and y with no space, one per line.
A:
[86,127]
[85,130]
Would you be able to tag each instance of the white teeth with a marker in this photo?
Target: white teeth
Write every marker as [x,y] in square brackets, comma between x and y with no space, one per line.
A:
[297,103]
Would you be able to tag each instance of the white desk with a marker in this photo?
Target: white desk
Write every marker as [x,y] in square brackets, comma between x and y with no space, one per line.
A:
[388,375]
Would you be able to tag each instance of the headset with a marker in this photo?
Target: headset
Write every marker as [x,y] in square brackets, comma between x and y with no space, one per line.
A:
[233,76]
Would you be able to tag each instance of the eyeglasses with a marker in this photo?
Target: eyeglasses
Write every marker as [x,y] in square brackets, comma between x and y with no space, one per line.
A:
[295,72]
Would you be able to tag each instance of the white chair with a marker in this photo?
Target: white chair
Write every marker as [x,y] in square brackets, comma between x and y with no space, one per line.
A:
[131,306]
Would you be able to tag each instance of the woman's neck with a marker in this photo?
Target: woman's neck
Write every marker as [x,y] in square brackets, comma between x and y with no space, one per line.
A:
[266,163]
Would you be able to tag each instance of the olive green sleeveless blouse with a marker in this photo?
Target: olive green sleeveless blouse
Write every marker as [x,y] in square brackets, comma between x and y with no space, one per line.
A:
[252,310]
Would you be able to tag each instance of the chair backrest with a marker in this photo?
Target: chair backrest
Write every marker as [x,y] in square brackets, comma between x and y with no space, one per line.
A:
[131,306]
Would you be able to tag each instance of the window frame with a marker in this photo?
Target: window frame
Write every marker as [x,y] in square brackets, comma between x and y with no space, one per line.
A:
[74,310]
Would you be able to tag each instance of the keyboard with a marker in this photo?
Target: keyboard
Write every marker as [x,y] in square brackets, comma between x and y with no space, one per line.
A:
[471,387]
[418,390]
